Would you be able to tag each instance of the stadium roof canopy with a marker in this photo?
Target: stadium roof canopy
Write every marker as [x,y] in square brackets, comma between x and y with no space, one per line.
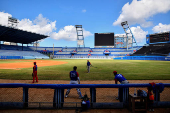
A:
[18,36]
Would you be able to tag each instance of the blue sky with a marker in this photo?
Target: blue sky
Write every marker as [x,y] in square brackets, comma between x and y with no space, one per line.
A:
[57,18]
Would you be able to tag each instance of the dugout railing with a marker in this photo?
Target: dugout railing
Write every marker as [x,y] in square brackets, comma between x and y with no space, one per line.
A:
[17,95]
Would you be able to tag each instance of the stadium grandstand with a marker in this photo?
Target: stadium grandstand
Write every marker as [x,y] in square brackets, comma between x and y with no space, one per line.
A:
[107,46]
[14,36]
[103,48]
[157,48]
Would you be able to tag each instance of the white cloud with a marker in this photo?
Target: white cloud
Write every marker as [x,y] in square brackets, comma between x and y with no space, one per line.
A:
[140,11]
[39,25]
[68,33]
[161,28]
[4,18]
[44,26]
[138,33]
[83,10]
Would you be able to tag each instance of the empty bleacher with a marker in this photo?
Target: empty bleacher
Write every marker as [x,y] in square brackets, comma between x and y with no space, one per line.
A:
[14,47]
[45,48]
[83,49]
[65,52]
[25,54]
[62,53]
[82,52]
[68,49]
[98,50]
[154,49]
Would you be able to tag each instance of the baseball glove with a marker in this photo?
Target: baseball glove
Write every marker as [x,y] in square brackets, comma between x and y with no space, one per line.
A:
[32,74]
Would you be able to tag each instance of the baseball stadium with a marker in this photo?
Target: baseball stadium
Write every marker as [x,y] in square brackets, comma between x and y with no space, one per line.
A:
[140,66]
[37,78]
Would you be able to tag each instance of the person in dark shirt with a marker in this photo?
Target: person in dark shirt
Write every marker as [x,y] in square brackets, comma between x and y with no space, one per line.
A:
[88,66]
[121,79]
[74,79]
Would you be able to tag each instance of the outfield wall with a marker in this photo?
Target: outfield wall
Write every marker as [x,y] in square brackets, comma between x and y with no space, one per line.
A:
[163,58]
[57,100]
[11,57]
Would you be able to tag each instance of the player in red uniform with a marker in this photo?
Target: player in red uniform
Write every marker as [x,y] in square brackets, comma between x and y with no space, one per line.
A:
[35,72]
[74,79]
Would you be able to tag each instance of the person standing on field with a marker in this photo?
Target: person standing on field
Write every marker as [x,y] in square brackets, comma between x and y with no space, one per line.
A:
[74,79]
[88,66]
[35,72]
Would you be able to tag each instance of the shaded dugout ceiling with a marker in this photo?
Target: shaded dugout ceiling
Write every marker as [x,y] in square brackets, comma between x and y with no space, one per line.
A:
[18,36]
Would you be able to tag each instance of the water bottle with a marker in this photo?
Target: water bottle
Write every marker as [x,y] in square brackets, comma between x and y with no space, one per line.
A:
[135,92]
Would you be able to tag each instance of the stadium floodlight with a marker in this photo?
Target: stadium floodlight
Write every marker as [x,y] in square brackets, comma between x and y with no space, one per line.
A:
[124,23]
[12,22]
[129,35]
[80,37]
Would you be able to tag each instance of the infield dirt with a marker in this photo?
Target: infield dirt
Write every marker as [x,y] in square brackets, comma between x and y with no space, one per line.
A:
[29,63]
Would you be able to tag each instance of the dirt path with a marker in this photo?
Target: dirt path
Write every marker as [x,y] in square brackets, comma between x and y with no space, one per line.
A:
[82,82]
[29,63]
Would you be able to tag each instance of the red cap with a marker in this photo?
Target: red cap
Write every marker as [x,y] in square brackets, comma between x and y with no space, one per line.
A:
[34,62]
[114,71]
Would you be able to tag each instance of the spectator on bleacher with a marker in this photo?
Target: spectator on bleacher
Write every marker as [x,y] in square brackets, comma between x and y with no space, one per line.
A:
[35,72]
[90,51]
[88,66]
[89,55]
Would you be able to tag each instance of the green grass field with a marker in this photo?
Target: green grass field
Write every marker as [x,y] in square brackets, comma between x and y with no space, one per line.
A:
[131,69]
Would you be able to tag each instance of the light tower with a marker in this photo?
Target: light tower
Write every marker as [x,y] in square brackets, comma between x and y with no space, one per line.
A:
[80,37]
[12,22]
[129,34]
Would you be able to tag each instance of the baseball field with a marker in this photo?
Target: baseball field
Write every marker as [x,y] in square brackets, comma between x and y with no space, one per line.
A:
[58,69]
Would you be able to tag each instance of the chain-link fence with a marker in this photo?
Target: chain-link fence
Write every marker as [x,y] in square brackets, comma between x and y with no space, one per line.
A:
[40,97]
[11,94]
[164,96]
[44,97]
[107,95]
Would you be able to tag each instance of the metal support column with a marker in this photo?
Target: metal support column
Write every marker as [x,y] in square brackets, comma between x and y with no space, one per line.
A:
[36,46]
[55,98]
[125,95]
[59,98]
[25,97]
[92,96]
[157,95]
[22,46]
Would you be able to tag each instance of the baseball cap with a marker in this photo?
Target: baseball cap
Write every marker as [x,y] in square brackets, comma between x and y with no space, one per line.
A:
[34,62]
[114,71]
